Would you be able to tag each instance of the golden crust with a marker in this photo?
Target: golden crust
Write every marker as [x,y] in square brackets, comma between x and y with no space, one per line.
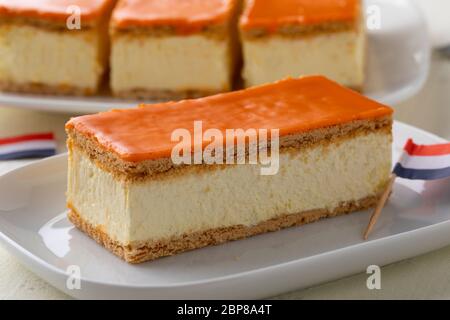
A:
[295,31]
[144,251]
[359,88]
[47,24]
[219,31]
[35,88]
[140,171]
[164,95]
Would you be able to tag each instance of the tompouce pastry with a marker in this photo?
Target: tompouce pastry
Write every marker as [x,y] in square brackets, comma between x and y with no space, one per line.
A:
[172,49]
[303,37]
[128,190]
[54,47]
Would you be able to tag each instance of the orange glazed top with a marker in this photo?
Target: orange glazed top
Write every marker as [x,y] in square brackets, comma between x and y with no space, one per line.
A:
[185,15]
[273,14]
[54,10]
[291,105]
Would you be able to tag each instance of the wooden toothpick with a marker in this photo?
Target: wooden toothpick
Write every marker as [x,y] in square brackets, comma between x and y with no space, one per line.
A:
[380,206]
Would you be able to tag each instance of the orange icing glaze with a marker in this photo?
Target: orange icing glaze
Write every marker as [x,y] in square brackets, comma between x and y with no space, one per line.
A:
[53,10]
[186,16]
[291,105]
[273,14]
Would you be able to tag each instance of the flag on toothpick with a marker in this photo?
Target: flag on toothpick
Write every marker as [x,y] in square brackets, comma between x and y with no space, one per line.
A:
[418,162]
[421,162]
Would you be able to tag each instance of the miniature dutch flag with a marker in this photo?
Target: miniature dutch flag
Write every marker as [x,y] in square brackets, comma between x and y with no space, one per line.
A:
[424,162]
[38,145]
[418,162]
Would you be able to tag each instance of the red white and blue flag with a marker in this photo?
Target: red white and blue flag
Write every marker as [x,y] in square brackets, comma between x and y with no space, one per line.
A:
[38,145]
[418,162]
[424,162]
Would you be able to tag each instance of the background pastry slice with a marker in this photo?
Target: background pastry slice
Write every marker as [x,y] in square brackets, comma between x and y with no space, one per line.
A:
[39,53]
[173,48]
[126,192]
[303,37]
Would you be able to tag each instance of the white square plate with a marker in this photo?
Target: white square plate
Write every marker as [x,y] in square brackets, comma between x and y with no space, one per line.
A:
[33,226]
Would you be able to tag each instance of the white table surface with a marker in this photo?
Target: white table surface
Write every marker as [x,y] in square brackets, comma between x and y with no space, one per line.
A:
[424,277]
